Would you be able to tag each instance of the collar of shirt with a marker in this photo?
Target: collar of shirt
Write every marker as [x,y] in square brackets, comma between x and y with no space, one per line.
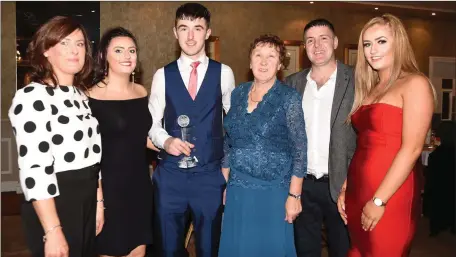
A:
[185,62]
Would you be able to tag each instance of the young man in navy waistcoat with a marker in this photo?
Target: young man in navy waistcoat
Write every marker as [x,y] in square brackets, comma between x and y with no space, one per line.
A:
[189,95]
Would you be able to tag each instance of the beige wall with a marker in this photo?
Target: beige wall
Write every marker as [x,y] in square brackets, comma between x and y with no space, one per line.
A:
[8,86]
[238,23]
[8,65]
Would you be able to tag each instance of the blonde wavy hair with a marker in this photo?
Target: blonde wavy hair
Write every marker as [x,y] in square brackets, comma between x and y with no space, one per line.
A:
[403,61]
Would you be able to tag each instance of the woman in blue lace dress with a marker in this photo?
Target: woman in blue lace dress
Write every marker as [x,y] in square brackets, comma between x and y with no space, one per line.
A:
[265,160]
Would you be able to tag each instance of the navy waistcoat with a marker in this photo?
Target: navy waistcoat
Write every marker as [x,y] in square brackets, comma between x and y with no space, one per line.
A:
[205,113]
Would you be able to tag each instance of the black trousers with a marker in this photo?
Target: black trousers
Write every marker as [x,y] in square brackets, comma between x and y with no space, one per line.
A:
[318,207]
[76,207]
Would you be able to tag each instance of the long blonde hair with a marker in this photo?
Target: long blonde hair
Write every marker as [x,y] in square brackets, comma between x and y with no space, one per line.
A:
[403,61]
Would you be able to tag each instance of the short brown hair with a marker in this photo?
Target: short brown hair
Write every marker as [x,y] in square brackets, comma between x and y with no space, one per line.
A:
[47,36]
[271,40]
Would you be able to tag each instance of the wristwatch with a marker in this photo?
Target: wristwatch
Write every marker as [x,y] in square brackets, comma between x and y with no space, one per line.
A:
[378,202]
[295,196]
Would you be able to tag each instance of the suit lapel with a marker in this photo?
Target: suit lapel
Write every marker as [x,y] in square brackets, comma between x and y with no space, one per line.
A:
[302,86]
[339,92]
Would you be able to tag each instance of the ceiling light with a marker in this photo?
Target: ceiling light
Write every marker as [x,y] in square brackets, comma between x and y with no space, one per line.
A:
[93,10]
[376,8]
[311,2]
[433,14]
[79,15]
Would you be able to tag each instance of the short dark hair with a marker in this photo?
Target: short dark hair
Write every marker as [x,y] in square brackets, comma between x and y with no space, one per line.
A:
[319,22]
[271,40]
[47,36]
[101,61]
[192,11]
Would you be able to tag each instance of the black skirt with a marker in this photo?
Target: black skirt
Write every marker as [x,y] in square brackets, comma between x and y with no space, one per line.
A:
[76,208]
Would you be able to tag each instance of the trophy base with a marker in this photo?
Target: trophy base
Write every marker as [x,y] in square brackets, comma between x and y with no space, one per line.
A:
[187,162]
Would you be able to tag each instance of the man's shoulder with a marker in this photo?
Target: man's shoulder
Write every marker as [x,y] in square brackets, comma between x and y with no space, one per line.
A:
[345,68]
[226,68]
[347,72]
[296,76]
[171,64]
[160,71]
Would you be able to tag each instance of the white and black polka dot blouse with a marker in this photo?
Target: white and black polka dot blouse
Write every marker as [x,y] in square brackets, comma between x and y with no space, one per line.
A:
[55,132]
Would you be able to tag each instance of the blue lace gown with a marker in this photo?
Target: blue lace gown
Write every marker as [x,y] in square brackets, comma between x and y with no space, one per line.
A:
[264,149]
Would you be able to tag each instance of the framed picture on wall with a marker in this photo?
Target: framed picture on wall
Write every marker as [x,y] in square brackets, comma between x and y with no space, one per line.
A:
[294,57]
[350,54]
[213,48]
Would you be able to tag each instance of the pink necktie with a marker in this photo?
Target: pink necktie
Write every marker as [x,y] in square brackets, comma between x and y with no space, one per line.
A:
[193,80]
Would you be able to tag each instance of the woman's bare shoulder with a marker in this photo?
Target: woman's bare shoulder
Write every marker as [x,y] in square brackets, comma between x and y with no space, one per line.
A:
[141,90]
[417,87]
[415,81]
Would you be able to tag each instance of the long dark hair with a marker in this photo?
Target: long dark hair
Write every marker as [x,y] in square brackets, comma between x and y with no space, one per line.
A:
[101,61]
[47,36]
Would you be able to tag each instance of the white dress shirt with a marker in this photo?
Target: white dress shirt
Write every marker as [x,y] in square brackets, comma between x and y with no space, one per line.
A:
[157,102]
[55,132]
[317,105]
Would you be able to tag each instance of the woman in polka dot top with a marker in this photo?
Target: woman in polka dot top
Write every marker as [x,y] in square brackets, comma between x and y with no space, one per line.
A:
[58,143]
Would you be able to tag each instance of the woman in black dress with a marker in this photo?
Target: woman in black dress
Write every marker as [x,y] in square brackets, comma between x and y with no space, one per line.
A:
[58,160]
[121,107]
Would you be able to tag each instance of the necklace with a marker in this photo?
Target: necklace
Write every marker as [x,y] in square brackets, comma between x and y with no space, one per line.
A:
[250,94]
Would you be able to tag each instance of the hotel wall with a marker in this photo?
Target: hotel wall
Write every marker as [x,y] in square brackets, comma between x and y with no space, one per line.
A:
[236,23]
[9,176]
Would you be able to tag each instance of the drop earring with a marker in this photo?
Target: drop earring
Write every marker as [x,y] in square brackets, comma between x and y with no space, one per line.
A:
[133,77]
[105,79]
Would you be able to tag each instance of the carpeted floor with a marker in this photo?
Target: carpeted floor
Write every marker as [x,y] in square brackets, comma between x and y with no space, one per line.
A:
[13,244]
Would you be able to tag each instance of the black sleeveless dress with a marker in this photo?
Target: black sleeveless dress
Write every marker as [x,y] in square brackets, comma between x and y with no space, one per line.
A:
[127,187]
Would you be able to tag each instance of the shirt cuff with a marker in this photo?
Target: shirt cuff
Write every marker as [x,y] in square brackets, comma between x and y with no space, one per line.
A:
[161,140]
[39,187]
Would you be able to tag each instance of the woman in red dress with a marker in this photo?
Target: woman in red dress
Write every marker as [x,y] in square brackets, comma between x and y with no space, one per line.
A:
[392,112]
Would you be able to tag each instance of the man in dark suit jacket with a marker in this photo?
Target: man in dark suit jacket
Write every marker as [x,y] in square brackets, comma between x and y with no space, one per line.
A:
[328,93]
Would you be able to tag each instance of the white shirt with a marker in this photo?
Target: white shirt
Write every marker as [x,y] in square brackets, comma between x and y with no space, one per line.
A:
[157,102]
[55,132]
[317,104]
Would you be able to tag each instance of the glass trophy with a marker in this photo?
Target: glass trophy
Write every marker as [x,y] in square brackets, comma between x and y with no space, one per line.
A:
[187,161]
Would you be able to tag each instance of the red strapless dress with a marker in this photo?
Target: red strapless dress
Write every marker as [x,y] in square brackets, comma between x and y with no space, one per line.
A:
[379,128]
